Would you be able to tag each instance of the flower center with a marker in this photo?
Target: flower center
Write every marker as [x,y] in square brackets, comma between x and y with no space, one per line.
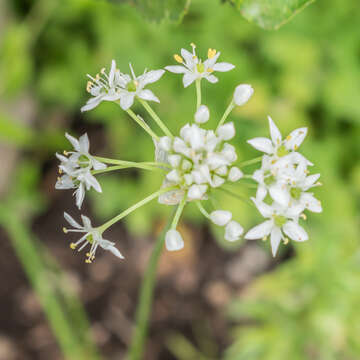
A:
[90,238]
[83,161]
[269,178]
[200,67]
[132,85]
[282,151]
[295,193]
[279,220]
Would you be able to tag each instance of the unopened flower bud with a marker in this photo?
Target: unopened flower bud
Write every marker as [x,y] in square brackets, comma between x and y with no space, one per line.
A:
[235,174]
[242,94]
[196,192]
[202,114]
[174,240]
[220,217]
[233,231]
[227,131]
[165,143]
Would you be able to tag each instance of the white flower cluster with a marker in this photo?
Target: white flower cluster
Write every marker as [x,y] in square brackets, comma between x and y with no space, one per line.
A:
[76,169]
[196,163]
[284,178]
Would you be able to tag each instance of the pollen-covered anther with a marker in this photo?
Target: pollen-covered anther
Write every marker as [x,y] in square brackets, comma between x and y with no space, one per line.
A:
[88,86]
[286,241]
[97,77]
[210,70]
[288,138]
[65,230]
[303,216]
[73,246]
[102,70]
[211,53]
[264,238]
[65,153]
[178,58]
[88,261]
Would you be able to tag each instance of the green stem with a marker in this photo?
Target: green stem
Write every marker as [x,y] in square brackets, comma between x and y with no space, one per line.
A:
[226,114]
[202,209]
[136,349]
[198,93]
[143,124]
[131,163]
[250,162]
[156,118]
[111,222]
[179,211]
[237,196]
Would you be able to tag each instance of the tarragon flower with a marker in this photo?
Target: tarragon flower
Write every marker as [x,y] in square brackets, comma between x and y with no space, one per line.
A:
[92,236]
[76,169]
[194,68]
[282,221]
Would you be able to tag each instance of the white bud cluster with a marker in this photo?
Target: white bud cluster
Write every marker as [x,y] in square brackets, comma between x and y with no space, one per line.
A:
[233,230]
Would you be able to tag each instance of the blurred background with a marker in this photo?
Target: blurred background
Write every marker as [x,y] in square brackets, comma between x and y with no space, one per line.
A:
[213,300]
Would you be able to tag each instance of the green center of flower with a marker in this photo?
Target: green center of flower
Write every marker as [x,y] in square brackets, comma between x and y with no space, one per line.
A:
[280,220]
[131,86]
[90,238]
[200,67]
[83,161]
[269,178]
[295,193]
[282,151]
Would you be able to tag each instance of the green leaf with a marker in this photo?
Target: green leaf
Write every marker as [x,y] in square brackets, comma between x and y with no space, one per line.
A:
[270,14]
[161,10]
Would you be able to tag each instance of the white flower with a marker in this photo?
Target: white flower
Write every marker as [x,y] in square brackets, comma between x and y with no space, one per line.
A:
[202,114]
[76,169]
[92,236]
[233,231]
[277,146]
[103,87]
[220,217]
[194,68]
[133,86]
[242,94]
[281,221]
[174,240]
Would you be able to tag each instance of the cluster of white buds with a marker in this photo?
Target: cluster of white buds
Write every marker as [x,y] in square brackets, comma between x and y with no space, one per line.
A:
[196,163]
[284,180]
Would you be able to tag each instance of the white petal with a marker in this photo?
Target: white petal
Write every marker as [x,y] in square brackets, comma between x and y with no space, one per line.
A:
[242,94]
[211,78]
[274,132]
[97,165]
[196,192]
[165,143]
[189,78]
[223,66]
[188,56]
[84,144]
[296,137]
[91,104]
[174,240]
[126,100]
[91,180]
[148,95]
[112,73]
[74,142]
[151,77]
[86,221]
[262,144]
[177,69]
[173,176]
[275,239]
[235,174]
[227,131]
[310,181]
[311,203]
[261,193]
[80,195]
[217,181]
[71,221]
[260,231]
[233,231]
[202,114]
[295,232]
[264,209]
[280,194]
[220,217]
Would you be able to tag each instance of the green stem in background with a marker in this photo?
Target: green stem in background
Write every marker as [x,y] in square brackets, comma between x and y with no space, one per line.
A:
[198,93]
[154,195]
[226,114]
[237,196]
[120,167]
[143,124]
[62,308]
[156,118]
[250,162]
[136,348]
[178,213]
[124,163]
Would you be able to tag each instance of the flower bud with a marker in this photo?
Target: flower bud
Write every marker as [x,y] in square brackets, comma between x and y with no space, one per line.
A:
[202,114]
[196,192]
[235,174]
[227,131]
[174,240]
[165,143]
[242,94]
[233,231]
[220,217]
[174,160]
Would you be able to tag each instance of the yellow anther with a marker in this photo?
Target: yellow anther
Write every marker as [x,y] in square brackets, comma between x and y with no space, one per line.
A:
[295,147]
[193,45]
[59,178]
[73,246]
[102,70]
[286,241]
[97,77]
[210,70]
[60,171]
[88,86]
[65,230]
[88,254]
[319,183]
[264,238]
[273,161]
[288,137]
[178,58]
[303,216]
[211,53]
[65,153]
[88,261]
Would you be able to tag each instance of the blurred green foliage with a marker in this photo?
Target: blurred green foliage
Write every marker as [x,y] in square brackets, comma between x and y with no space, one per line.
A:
[307,73]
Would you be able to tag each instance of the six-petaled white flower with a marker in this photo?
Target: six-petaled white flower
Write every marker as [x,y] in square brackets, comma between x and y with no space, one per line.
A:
[194,68]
